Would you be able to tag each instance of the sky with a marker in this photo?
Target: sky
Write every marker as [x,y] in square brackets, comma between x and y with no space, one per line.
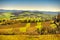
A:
[41,5]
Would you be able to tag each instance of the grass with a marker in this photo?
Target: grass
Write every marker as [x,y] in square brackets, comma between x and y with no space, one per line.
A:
[30,37]
[22,27]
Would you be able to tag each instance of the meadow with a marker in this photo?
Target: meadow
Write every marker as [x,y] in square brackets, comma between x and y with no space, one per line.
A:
[28,26]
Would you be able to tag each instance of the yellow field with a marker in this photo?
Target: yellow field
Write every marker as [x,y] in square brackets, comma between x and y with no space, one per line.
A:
[30,37]
[26,27]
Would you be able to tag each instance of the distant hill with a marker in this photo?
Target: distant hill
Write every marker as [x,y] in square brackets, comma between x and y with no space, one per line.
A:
[18,11]
[2,10]
[23,13]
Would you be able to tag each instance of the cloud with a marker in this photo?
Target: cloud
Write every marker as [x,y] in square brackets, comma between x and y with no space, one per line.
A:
[40,8]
